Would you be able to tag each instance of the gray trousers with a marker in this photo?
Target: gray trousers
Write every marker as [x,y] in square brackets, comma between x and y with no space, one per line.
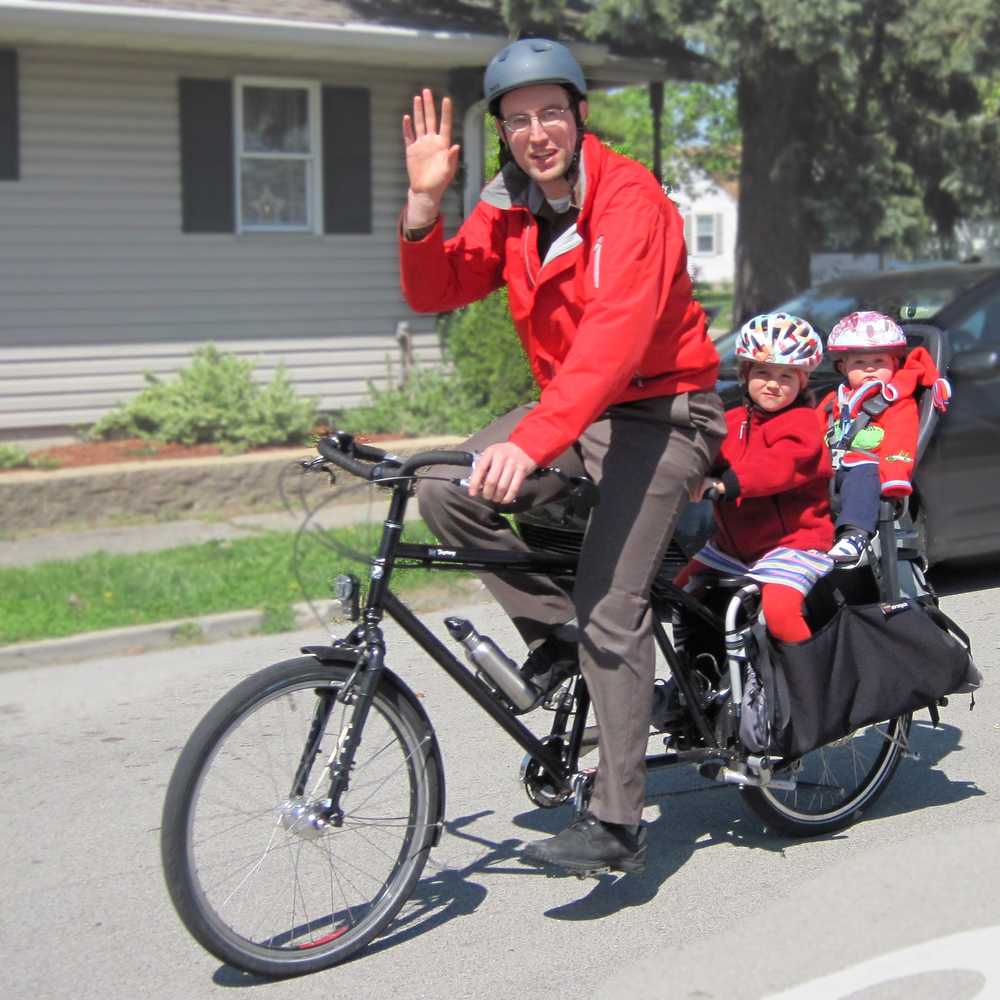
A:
[646,456]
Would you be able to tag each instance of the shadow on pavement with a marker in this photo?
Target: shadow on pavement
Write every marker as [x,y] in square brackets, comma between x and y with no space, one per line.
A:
[694,815]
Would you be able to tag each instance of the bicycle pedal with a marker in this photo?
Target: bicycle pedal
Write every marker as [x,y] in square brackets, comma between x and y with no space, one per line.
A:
[590,872]
[560,697]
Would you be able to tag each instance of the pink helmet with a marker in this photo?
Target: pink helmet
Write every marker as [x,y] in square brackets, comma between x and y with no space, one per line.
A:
[866,331]
[779,339]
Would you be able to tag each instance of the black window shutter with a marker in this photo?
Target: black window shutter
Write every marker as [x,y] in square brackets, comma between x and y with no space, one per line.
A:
[207,164]
[347,160]
[10,151]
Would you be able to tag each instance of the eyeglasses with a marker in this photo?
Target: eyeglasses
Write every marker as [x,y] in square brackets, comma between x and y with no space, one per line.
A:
[549,118]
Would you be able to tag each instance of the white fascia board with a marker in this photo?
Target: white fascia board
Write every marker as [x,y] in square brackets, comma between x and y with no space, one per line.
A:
[159,28]
[620,71]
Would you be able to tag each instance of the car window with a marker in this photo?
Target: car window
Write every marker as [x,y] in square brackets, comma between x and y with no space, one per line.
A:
[980,328]
[912,298]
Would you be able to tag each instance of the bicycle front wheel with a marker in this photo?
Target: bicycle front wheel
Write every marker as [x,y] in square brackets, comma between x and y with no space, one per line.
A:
[830,787]
[255,877]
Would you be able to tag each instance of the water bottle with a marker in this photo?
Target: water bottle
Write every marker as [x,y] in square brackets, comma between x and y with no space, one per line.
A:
[484,654]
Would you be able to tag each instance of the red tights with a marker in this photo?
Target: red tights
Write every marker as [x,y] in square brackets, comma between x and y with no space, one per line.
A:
[782,606]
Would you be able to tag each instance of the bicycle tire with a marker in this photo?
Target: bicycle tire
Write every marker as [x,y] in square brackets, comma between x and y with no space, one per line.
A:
[835,784]
[257,885]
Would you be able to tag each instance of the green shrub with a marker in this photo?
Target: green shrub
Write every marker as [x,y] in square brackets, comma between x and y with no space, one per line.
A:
[215,400]
[13,457]
[487,356]
[488,376]
[430,403]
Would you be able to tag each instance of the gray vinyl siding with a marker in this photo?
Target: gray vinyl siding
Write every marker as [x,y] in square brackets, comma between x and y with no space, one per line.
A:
[97,281]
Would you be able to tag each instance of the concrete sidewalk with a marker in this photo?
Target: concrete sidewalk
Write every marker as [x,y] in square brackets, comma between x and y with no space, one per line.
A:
[155,537]
[132,539]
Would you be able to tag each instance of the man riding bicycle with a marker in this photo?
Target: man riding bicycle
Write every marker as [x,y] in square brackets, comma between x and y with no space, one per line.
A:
[593,257]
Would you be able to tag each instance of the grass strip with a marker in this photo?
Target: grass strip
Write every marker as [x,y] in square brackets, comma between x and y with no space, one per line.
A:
[105,590]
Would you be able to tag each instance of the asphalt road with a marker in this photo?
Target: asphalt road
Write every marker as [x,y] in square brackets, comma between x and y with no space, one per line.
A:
[724,910]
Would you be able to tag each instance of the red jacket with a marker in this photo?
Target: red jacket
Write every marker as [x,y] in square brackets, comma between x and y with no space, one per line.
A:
[607,320]
[890,440]
[776,470]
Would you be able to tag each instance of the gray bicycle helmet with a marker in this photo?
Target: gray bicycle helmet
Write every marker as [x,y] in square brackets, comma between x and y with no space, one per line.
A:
[531,60]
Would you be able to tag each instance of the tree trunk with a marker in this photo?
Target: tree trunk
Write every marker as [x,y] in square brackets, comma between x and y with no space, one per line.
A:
[775,101]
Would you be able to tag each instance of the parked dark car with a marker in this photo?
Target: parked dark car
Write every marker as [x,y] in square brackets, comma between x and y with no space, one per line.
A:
[958,477]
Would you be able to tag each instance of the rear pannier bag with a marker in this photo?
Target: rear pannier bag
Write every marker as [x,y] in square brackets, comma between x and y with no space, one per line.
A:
[869,663]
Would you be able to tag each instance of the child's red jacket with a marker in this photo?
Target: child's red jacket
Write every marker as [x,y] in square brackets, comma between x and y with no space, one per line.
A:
[776,470]
[890,439]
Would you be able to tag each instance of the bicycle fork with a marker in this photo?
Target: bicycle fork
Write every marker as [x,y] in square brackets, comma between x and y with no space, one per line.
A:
[310,818]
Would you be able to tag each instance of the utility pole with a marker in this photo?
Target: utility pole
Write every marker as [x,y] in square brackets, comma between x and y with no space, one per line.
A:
[656,107]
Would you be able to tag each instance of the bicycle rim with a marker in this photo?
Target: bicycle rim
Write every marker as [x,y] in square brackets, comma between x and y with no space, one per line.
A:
[254,879]
[834,784]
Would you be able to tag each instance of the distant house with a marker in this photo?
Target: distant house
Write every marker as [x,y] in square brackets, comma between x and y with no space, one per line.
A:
[178,171]
[710,209]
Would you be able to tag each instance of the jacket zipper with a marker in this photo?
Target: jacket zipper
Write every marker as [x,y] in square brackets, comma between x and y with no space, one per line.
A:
[597,262]
[533,278]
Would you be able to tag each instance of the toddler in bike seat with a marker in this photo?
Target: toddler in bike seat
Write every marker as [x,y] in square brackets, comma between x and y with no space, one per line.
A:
[772,476]
[871,422]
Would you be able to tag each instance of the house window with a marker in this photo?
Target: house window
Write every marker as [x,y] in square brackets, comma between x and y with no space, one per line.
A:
[278,154]
[705,234]
[267,155]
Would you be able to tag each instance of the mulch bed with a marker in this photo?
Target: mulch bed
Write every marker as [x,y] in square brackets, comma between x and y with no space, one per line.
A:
[85,453]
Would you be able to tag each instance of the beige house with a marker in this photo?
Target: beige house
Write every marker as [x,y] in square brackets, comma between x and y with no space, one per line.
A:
[179,171]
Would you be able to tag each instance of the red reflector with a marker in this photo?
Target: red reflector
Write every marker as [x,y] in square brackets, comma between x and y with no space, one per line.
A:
[330,937]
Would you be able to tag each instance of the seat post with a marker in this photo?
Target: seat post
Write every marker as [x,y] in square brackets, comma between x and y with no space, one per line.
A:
[889,582]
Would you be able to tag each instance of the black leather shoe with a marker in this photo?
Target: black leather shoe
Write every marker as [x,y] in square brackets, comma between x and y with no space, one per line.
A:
[548,665]
[589,847]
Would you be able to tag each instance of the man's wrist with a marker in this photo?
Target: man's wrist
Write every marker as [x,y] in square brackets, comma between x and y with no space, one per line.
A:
[420,217]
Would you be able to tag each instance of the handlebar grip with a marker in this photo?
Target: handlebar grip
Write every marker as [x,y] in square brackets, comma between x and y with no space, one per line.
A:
[711,494]
[368,453]
[327,447]
[425,458]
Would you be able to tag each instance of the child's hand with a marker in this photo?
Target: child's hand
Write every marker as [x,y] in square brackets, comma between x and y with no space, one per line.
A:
[708,483]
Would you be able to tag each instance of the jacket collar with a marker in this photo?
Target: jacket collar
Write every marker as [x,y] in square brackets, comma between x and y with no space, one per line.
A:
[513,188]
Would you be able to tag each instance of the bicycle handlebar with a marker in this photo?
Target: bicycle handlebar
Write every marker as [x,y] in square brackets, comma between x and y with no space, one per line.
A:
[375,465]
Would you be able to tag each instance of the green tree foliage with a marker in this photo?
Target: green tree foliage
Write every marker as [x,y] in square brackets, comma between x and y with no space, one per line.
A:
[865,124]
[699,127]
[216,399]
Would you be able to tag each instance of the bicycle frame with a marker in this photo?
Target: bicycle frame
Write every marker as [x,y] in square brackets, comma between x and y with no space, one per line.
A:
[366,642]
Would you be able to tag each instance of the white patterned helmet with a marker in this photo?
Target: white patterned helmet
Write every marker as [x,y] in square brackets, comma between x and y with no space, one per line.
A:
[866,331]
[779,339]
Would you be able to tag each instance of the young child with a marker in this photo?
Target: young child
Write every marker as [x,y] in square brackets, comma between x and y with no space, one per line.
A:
[871,421]
[773,475]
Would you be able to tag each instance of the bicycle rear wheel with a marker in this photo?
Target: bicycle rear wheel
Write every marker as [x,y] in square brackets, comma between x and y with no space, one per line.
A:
[255,879]
[834,784]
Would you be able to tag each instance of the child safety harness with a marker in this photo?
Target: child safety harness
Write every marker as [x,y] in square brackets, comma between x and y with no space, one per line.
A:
[860,407]
[857,409]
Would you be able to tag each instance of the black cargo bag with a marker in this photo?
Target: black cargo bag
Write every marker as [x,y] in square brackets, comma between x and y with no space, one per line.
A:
[869,663]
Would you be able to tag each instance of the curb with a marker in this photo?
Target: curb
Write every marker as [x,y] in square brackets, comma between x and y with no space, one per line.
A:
[143,638]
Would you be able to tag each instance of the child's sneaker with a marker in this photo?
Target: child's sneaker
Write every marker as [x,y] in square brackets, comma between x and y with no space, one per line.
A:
[850,546]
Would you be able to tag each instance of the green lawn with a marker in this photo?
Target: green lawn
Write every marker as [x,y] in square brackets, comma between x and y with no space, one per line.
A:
[102,591]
